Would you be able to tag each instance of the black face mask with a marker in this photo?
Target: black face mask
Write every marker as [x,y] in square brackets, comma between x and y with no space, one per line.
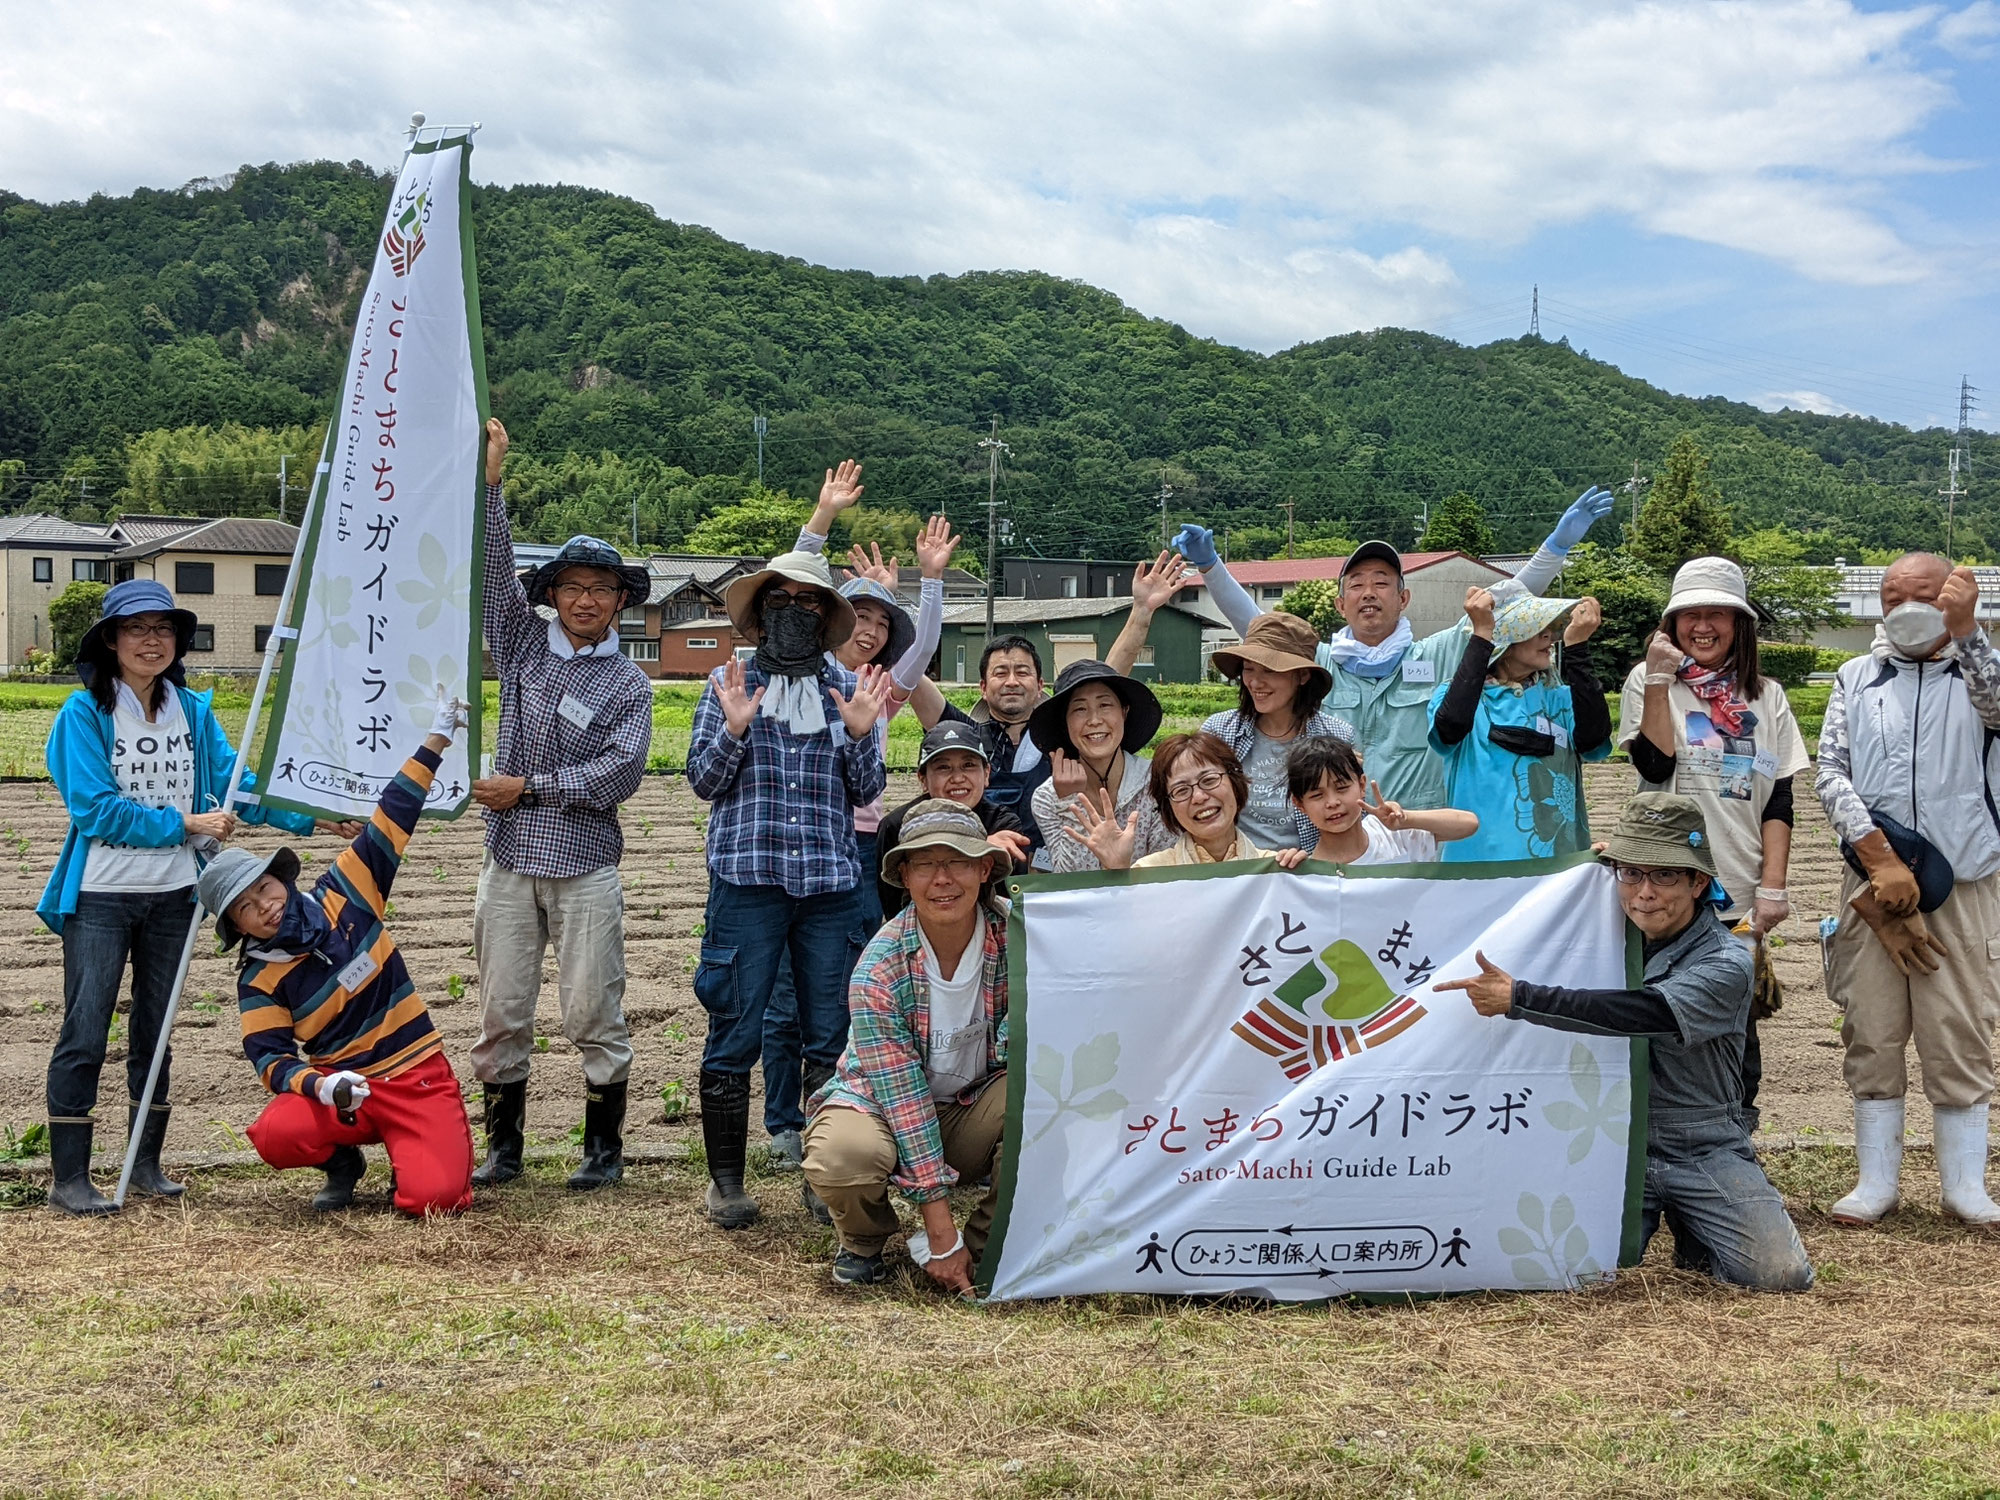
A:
[790,647]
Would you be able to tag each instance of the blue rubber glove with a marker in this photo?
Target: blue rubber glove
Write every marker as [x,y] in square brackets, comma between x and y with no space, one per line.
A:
[1592,506]
[1197,545]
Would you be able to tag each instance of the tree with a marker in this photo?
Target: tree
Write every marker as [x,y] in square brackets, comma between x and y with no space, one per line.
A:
[1324,546]
[1797,597]
[231,470]
[894,531]
[1316,601]
[1683,516]
[1632,597]
[1459,525]
[71,613]
[765,524]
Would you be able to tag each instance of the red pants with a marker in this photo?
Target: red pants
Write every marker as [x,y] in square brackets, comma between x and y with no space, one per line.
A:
[418,1115]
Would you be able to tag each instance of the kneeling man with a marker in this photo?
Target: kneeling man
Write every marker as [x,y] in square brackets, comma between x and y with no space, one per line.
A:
[920,1096]
[321,976]
[1701,1171]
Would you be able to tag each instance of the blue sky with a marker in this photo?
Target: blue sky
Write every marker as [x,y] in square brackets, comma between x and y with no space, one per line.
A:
[1781,201]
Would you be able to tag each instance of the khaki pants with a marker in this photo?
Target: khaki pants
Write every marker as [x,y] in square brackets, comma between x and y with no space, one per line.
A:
[850,1156]
[512,923]
[1949,1013]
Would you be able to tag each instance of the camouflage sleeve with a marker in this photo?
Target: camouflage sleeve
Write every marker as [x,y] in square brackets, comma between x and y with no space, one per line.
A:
[1980,664]
[1844,808]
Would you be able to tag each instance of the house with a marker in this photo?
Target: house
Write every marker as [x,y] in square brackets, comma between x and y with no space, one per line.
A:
[43,555]
[1437,582]
[692,649]
[1068,630]
[1089,578]
[230,572]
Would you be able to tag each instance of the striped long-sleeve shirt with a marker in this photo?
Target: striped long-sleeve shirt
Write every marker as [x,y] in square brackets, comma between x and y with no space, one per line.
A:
[349,1003]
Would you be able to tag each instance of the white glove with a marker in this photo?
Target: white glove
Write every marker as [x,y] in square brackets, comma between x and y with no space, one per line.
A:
[451,715]
[328,1081]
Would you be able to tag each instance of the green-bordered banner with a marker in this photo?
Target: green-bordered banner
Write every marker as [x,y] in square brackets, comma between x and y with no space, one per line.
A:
[386,607]
[1232,1079]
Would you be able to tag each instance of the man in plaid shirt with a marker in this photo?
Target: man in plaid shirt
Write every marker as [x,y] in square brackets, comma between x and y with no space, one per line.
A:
[576,722]
[913,1103]
[785,749]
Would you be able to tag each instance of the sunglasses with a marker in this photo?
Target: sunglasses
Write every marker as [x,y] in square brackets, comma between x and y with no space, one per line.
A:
[809,600]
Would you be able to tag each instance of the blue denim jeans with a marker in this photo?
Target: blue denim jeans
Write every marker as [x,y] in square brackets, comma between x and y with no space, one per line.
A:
[784,1067]
[107,928]
[749,929]
[1702,1176]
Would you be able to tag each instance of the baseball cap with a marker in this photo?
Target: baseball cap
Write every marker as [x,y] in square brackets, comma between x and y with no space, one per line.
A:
[951,734]
[1373,551]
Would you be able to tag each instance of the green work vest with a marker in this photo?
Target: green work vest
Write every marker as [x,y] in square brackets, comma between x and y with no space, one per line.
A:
[1391,716]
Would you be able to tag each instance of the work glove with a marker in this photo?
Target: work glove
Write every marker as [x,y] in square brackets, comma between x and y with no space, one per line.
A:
[451,715]
[1592,506]
[328,1082]
[1197,545]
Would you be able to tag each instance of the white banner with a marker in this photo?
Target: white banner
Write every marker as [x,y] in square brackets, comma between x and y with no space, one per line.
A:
[387,603]
[1245,1083]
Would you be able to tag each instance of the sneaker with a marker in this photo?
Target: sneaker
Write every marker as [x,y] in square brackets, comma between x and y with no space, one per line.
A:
[850,1269]
[788,1151]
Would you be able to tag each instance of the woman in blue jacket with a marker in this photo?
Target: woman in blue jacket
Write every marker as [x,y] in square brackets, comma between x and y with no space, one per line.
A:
[142,765]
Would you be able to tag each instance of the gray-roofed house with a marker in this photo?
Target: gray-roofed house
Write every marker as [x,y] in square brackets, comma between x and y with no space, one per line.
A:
[230,571]
[42,556]
[1068,630]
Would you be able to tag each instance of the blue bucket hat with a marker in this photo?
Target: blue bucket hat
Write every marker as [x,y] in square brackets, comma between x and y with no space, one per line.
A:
[589,552]
[902,630]
[135,596]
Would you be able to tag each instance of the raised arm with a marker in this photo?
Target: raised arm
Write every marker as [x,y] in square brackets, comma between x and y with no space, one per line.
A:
[509,619]
[720,738]
[1585,511]
[1153,585]
[935,545]
[366,868]
[841,490]
[1977,660]
[1197,545]
[1453,717]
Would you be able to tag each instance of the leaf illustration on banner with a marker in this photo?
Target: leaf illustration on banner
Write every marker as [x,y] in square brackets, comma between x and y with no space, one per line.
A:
[442,587]
[1092,1065]
[333,600]
[1553,1249]
[1595,1107]
[419,689]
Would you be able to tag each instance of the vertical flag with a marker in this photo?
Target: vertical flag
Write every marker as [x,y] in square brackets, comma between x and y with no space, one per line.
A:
[386,606]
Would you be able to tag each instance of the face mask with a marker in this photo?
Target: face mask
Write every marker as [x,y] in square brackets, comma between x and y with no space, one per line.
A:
[791,643]
[1914,629]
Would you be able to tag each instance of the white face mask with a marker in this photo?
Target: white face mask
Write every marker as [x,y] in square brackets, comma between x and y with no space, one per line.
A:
[1914,629]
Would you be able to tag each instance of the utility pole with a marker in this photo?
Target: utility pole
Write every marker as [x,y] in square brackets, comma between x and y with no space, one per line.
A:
[1535,312]
[635,523]
[1165,491]
[1225,545]
[1289,507]
[1423,519]
[1953,490]
[1634,487]
[994,448]
[758,425]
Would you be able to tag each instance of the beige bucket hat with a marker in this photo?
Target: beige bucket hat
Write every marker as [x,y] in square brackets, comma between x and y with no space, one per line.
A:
[793,567]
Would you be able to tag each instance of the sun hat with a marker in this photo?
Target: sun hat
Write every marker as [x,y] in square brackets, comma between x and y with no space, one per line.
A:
[1049,723]
[1661,831]
[589,552]
[1521,616]
[135,596]
[952,734]
[1284,643]
[1373,551]
[230,874]
[936,823]
[902,629]
[1710,581]
[793,567]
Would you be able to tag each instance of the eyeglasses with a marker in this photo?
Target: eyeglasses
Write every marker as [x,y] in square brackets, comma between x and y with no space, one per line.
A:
[929,869]
[1183,791]
[139,629]
[603,593]
[1660,880]
[808,600]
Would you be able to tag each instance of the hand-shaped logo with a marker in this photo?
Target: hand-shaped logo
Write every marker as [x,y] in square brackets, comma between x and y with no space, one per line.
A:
[1341,984]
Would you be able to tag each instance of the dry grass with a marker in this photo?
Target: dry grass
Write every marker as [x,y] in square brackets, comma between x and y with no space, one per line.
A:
[546,1345]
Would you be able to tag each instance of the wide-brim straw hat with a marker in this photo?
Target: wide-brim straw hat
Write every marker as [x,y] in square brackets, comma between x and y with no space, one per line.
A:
[1048,725]
[902,629]
[1710,582]
[1281,642]
[1522,616]
[1661,831]
[793,567]
[230,874]
[937,823]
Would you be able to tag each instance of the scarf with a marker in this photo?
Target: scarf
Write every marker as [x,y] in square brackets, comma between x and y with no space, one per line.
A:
[1717,691]
[1350,655]
[790,656]
[303,928]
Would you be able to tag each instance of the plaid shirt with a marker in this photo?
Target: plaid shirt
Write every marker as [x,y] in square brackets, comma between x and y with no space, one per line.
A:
[882,1072]
[784,803]
[580,773]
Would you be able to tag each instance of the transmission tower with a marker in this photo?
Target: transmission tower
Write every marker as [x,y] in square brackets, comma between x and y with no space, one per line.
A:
[1953,490]
[1535,312]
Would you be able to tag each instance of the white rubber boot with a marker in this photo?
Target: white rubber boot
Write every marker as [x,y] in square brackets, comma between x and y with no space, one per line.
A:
[1878,1145]
[1961,1154]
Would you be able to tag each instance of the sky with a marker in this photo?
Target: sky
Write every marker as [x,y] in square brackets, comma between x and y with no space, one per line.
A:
[1789,202]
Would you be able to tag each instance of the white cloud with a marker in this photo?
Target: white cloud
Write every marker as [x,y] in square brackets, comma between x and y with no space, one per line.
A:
[1812,401]
[1263,172]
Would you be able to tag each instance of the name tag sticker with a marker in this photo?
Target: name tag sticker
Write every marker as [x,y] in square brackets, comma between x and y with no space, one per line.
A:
[358,972]
[1420,671]
[1767,763]
[575,710]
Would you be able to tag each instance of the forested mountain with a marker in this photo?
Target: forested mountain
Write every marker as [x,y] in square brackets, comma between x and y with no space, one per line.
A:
[629,355]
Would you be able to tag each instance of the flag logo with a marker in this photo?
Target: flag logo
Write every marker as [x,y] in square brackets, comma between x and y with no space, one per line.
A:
[403,241]
[1333,1006]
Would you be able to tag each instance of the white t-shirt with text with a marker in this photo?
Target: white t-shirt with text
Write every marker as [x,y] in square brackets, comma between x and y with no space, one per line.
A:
[153,765]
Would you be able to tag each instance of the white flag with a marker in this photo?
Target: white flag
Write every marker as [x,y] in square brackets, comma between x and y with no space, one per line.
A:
[387,602]
[1246,1083]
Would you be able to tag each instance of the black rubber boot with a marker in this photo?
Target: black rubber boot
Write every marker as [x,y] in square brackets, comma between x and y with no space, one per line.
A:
[147,1178]
[603,1138]
[346,1167]
[72,1192]
[816,1076]
[506,1133]
[725,1134]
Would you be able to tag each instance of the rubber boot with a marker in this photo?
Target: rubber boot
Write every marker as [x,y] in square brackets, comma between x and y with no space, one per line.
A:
[725,1134]
[1878,1147]
[72,1192]
[506,1133]
[1961,1155]
[603,1138]
[147,1178]
[816,1076]
[346,1167]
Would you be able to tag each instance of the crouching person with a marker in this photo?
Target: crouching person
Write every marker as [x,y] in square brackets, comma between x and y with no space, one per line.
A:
[919,1098]
[321,977]
[1701,1172]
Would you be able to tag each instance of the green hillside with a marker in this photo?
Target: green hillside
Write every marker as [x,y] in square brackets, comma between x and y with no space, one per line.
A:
[613,332]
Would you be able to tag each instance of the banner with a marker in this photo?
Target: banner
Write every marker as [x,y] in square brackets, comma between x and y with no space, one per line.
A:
[1227,1082]
[387,602]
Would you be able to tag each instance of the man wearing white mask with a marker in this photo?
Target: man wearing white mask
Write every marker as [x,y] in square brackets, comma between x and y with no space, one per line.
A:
[1906,773]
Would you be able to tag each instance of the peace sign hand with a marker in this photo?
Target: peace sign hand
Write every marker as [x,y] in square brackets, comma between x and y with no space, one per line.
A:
[1389,814]
[1102,834]
[1491,991]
